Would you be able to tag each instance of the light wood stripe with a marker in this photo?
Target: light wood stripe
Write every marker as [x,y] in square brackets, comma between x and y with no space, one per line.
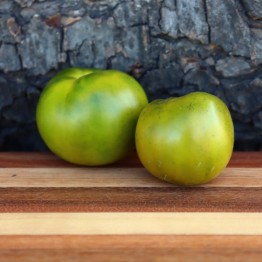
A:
[114,177]
[131,223]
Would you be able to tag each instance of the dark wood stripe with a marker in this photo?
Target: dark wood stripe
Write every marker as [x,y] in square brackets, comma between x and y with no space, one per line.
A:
[36,159]
[130,248]
[168,199]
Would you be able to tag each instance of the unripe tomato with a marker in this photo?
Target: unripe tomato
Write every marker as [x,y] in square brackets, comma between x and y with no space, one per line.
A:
[186,140]
[88,116]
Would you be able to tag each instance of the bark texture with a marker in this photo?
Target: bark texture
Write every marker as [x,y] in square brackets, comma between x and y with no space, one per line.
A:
[171,46]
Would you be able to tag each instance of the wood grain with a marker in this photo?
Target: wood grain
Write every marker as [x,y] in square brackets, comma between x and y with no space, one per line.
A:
[120,188]
[47,159]
[115,177]
[173,199]
[170,223]
[51,210]
[131,248]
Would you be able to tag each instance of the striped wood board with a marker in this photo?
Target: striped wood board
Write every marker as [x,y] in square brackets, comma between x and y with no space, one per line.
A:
[52,210]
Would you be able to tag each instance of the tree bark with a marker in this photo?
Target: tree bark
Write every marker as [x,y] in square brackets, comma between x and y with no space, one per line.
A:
[171,46]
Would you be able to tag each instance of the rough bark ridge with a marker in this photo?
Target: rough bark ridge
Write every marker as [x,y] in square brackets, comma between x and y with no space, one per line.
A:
[171,46]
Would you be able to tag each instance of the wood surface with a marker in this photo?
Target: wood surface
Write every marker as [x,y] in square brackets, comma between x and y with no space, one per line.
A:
[51,210]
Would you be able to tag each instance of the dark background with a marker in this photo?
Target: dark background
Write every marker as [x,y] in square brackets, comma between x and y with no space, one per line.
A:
[171,47]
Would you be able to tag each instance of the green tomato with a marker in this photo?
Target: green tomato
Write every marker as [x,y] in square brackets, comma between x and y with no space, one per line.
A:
[88,116]
[186,140]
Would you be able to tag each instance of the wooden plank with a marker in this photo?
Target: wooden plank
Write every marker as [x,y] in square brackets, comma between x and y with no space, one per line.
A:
[246,159]
[131,248]
[149,220]
[47,159]
[170,199]
[131,241]
[114,177]
[131,223]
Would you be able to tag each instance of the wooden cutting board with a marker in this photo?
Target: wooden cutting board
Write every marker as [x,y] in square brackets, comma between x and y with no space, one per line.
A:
[54,211]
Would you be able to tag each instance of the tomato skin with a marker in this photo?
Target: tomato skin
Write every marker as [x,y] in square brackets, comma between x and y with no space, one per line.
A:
[88,116]
[186,140]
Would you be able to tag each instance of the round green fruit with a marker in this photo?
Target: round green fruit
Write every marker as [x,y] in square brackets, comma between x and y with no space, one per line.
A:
[186,140]
[88,116]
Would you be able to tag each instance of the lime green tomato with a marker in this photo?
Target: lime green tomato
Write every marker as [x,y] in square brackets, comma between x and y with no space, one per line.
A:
[88,116]
[186,140]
